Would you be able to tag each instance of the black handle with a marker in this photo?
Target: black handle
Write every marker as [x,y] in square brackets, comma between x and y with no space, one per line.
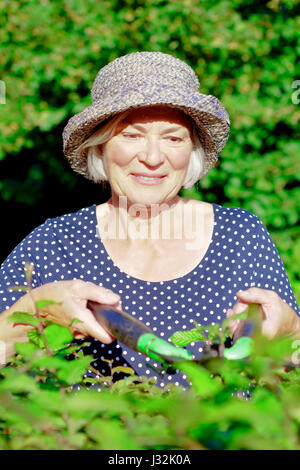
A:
[119,324]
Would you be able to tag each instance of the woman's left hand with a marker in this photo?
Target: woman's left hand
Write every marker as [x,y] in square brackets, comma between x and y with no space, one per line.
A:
[278,318]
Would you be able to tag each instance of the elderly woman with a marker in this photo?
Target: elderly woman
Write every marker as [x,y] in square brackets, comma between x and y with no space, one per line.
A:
[164,259]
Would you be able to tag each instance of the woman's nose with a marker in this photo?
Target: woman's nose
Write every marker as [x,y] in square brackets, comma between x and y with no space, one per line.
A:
[152,153]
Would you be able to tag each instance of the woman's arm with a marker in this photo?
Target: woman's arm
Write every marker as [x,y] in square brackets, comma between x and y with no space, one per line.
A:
[272,291]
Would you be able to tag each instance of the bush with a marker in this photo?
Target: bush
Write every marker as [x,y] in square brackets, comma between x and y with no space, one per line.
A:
[244,52]
[47,401]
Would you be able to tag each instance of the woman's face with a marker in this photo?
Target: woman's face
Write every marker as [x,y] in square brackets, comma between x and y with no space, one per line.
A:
[148,156]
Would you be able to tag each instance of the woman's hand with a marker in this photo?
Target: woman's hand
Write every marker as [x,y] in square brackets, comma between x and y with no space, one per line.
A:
[278,318]
[73,297]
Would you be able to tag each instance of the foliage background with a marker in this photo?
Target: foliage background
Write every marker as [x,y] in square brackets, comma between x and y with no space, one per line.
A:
[244,51]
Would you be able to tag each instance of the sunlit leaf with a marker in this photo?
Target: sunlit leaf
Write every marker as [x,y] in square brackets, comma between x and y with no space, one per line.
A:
[26,349]
[123,369]
[183,338]
[23,318]
[57,336]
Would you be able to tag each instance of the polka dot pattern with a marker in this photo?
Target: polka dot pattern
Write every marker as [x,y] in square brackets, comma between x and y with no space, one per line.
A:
[241,254]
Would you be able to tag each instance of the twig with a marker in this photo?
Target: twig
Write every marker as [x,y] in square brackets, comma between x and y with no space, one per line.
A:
[28,271]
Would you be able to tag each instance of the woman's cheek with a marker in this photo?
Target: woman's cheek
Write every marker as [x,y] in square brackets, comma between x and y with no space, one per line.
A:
[180,160]
[120,156]
[115,158]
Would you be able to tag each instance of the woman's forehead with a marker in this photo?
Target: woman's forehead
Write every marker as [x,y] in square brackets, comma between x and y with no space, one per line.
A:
[158,113]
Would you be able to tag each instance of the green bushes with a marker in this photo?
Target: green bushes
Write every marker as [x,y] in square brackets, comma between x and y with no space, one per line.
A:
[246,404]
[243,52]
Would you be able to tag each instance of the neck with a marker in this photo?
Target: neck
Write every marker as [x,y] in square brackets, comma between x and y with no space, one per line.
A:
[140,222]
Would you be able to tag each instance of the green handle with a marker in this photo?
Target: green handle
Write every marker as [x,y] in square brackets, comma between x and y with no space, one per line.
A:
[241,349]
[162,351]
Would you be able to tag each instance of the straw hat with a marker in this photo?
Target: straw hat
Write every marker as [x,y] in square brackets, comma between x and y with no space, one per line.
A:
[143,79]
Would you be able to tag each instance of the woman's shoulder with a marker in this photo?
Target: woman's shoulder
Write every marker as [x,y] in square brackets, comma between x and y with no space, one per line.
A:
[232,213]
[78,217]
[242,221]
[228,213]
[60,224]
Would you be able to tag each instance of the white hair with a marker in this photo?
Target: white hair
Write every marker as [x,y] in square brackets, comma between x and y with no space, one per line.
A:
[95,166]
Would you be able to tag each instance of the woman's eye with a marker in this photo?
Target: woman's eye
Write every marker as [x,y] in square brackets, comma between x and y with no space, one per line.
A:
[132,136]
[174,139]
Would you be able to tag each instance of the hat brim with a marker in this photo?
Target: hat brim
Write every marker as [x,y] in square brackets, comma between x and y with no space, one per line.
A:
[209,115]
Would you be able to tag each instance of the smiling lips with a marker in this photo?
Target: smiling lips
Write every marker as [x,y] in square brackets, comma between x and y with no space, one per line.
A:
[143,178]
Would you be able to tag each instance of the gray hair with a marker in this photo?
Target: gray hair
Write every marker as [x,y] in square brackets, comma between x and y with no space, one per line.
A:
[95,166]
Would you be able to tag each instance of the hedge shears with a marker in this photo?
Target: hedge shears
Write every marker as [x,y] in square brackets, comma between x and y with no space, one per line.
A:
[137,336]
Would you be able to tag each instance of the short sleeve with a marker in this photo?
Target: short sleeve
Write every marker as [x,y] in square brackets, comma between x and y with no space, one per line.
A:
[270,272]
[12,271]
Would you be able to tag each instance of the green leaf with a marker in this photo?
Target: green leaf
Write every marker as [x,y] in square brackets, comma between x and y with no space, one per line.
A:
[35,337]
[50,362]
[75,320]
[18,288]
[201,379]
[28,272]
[23,318]
[26,349]
[72,371]
[99,380]
[125,370]
[57,336]
[111,434]
[18,383]
[183,338]
[77,440]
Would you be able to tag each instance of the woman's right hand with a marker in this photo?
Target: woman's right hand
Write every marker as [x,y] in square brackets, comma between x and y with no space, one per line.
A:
[73,297]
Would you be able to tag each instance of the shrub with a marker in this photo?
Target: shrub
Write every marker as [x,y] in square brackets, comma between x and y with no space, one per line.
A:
[244,52]
[231,404]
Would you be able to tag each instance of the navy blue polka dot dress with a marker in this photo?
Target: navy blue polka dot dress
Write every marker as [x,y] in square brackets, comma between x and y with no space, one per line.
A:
[241,254]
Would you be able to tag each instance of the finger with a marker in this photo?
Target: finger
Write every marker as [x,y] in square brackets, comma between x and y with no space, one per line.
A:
[98,331]
[117,306]
[257,295]
[78,335]
[99,294]
[240,307]
[89,325]
[233,327]
[233,324]
[229,313]
[239,329]
[269,329]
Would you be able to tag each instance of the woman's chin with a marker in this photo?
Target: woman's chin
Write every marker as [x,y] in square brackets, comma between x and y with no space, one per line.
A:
[150,200]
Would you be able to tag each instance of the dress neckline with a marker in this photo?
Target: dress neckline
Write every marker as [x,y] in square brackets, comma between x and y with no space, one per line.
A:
[119,272]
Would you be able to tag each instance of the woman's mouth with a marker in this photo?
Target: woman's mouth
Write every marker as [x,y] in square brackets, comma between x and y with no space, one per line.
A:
[148,180]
